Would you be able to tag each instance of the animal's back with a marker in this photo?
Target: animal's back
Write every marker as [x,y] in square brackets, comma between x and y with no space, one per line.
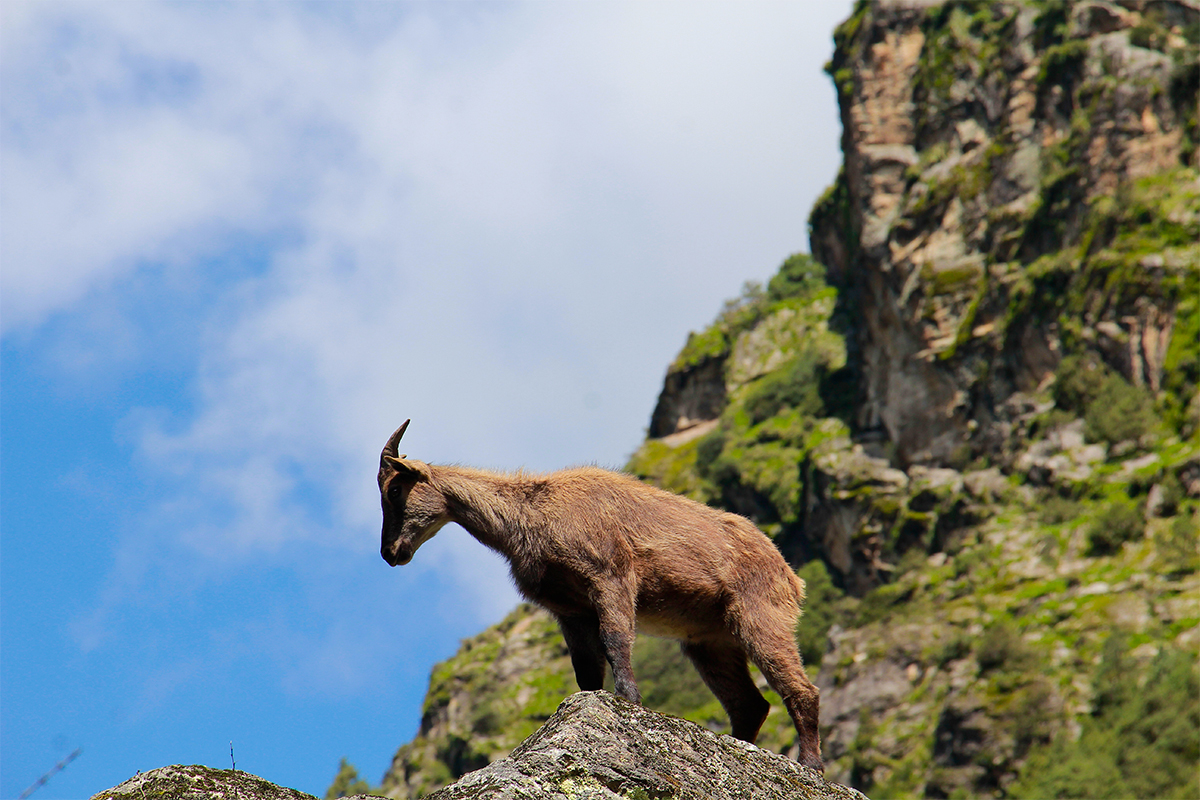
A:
[692,561]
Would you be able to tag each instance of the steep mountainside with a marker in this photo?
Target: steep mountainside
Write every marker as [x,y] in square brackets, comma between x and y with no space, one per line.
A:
[971,419]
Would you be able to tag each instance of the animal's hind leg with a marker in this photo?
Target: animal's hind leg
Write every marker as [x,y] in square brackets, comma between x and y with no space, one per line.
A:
[725,672]
[772,646]
[582,634]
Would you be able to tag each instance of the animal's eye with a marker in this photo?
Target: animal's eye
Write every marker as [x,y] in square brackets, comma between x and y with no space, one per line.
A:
[395,494]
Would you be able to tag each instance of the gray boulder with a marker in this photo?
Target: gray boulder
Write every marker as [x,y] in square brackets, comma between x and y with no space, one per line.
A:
[598,746]
[201,783]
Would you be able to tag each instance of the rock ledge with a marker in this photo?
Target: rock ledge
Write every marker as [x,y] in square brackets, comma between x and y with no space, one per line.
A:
[600,747]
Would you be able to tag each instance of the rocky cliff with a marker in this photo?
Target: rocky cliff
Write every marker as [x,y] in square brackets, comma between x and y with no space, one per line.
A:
[971,420]
[1019,182]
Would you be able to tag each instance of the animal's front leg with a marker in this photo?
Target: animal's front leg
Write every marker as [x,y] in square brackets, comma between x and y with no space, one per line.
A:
[617,631]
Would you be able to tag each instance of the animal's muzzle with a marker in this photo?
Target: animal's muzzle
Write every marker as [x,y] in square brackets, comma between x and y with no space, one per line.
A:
[396,555]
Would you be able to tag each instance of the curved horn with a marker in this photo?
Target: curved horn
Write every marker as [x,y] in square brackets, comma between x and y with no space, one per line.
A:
[390,449]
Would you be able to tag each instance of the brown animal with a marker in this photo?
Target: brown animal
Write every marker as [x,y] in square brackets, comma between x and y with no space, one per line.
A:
[607,554]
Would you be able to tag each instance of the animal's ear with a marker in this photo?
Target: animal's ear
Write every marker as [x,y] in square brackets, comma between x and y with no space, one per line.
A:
[415,470]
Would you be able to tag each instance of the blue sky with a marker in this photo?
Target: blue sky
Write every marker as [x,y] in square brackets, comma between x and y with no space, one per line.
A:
[240,243]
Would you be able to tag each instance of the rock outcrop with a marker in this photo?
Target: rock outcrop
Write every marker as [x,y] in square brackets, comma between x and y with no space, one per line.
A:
[692,394]
[196,782]
[599,746]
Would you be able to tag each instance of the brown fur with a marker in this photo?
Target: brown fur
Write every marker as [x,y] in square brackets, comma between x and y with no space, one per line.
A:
[606,555]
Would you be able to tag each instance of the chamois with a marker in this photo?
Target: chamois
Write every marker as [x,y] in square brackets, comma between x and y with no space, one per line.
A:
[607,555]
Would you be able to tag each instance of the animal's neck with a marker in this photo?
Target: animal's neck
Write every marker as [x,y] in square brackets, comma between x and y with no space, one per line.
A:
[483,504]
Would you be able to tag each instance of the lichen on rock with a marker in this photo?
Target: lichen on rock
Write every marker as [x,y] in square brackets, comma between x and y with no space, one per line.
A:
[599,746]
[197,782]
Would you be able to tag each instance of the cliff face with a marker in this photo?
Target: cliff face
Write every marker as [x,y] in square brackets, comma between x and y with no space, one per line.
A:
[971,420]
[995,154]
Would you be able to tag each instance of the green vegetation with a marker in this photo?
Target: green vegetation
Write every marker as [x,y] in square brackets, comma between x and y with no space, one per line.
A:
[1181,367]
[793,386]
[775,417]
[1142,738]
[963,42]
[1025,638]
[1120,412]
[1080,376]
[1001,648]
[822,608]
[1113,409]
[845,38]
[347,783]
[738,315]
[1178,550]
[800,278]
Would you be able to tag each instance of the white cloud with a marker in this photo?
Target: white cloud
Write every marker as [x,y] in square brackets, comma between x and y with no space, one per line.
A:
[498,220]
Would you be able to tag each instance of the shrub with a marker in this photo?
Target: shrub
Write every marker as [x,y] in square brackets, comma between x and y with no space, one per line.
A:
[1002,648]
[955,646]
[1078,381]
[881,601]
[669,682]
[737,315]
[347,783]
[1172,494]
[1058,509]
[1116,524]
[1113,409]
[708,449]
[820,612]
[1177,550]
[1119,412]
[794,386]
[799,275]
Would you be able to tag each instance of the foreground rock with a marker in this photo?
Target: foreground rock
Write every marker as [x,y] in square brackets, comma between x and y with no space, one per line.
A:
[599,746]
[200,783]
[596,746]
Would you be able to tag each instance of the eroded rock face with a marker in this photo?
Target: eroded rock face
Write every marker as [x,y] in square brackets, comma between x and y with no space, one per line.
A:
[599,746]
[976,145]
[690,396]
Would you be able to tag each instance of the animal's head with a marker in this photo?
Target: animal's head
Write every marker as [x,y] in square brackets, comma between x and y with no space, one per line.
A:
[413,510]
